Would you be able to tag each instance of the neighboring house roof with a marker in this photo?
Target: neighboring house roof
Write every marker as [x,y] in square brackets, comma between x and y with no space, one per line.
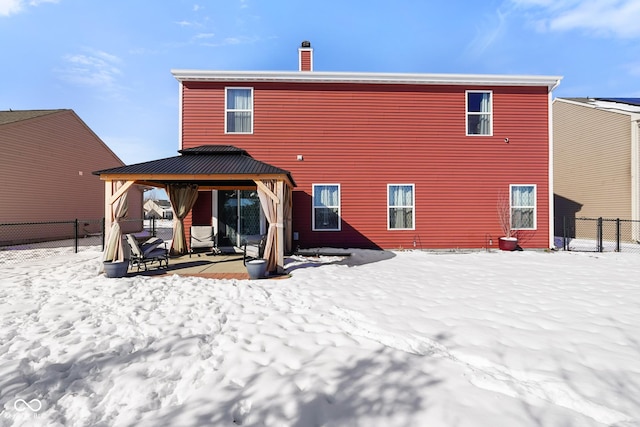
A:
[206,160]
[16,116]
[623,105]
[630,101]
[367,78]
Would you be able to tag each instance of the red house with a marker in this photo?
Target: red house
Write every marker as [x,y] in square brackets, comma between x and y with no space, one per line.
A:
[380,160]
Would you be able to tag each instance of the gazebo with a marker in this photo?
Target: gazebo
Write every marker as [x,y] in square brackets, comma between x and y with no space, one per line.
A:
[208,167]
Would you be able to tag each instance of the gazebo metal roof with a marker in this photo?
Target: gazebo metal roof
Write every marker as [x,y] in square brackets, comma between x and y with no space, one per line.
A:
[206,165]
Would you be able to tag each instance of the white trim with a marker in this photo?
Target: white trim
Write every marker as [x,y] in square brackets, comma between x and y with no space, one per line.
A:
[180,106]
[349,77]
[214,215]
[313,207]
[475,113]
[535,206]
[413,207]
[226,90]
[635,177]
[551,219]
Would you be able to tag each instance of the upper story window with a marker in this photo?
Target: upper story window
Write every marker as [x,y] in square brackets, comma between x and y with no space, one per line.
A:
[239,110]
[523,207]
[400,208]
[479,113]
[326,207]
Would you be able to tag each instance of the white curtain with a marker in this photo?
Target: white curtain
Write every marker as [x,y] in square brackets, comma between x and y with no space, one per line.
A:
[326,201]
[401,206]
[114,249]
[239,107]
[522,206]
[479,113]
[270,212]
[288,220]
[182,198]
[485,119]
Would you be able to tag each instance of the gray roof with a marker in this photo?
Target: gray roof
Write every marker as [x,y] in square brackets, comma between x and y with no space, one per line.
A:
[11,116]
[204,160]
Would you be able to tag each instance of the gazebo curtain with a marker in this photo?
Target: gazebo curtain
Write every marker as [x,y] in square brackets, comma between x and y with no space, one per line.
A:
[182,197]
[288,220]
[114,250]
[269,207]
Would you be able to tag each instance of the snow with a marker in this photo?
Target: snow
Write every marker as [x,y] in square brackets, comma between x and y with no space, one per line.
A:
[405,338]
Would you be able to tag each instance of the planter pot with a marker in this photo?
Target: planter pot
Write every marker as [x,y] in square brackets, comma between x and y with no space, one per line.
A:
[256,268]
[508,243]
[116,269]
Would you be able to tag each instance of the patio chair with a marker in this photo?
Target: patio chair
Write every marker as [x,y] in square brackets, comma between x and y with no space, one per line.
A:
[150,251]
[202,236]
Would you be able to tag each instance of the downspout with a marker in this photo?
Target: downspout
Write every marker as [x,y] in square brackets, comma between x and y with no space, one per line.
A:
[180,106]
[551,221]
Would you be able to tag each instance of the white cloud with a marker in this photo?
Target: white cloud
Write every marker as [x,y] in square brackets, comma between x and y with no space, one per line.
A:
[184,23]
[618,18]
[491,30]
[205,35]
[94,68]
[11,7]
[39,2]
[230,41]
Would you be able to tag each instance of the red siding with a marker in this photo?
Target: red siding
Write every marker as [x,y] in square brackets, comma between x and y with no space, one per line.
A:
[305,60]
[367,136]
[201,212]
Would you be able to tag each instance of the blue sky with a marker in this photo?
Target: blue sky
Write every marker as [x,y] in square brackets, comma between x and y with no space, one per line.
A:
[110,61]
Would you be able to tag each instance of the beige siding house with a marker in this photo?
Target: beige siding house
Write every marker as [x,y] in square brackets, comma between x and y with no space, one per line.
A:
[45,170]
[159,209]
[596,160]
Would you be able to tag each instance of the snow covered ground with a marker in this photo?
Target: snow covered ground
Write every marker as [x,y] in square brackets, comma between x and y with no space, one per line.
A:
[376,339]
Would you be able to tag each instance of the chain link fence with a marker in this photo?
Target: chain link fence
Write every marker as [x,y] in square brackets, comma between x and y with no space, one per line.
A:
[600,235]
[31,240]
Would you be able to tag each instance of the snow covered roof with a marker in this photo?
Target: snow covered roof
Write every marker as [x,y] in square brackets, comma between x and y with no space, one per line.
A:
[626,105]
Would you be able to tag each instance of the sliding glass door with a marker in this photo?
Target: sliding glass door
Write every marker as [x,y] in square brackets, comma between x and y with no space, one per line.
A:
[239,216]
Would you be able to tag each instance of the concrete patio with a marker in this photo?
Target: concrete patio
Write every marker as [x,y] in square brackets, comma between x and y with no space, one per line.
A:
[222,266]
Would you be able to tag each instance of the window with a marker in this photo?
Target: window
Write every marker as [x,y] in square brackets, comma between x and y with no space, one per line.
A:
[401,207]
[239,110]
[326,207]
[523,207]
[479,113]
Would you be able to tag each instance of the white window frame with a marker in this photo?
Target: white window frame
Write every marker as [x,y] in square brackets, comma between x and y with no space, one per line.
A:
[227,110]
[413,207]
[314,207]
[476,113]
[534,206]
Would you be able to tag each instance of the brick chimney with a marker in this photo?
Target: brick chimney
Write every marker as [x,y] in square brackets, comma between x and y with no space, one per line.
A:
[305,56]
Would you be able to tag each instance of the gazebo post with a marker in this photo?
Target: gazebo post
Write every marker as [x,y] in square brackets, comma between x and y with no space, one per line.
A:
[108,211]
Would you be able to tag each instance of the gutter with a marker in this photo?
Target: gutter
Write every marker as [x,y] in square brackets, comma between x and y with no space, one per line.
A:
[378,78]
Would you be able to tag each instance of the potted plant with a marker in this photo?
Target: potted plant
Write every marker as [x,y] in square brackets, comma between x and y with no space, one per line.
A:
[508,241]
[118,268]
[257,268]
